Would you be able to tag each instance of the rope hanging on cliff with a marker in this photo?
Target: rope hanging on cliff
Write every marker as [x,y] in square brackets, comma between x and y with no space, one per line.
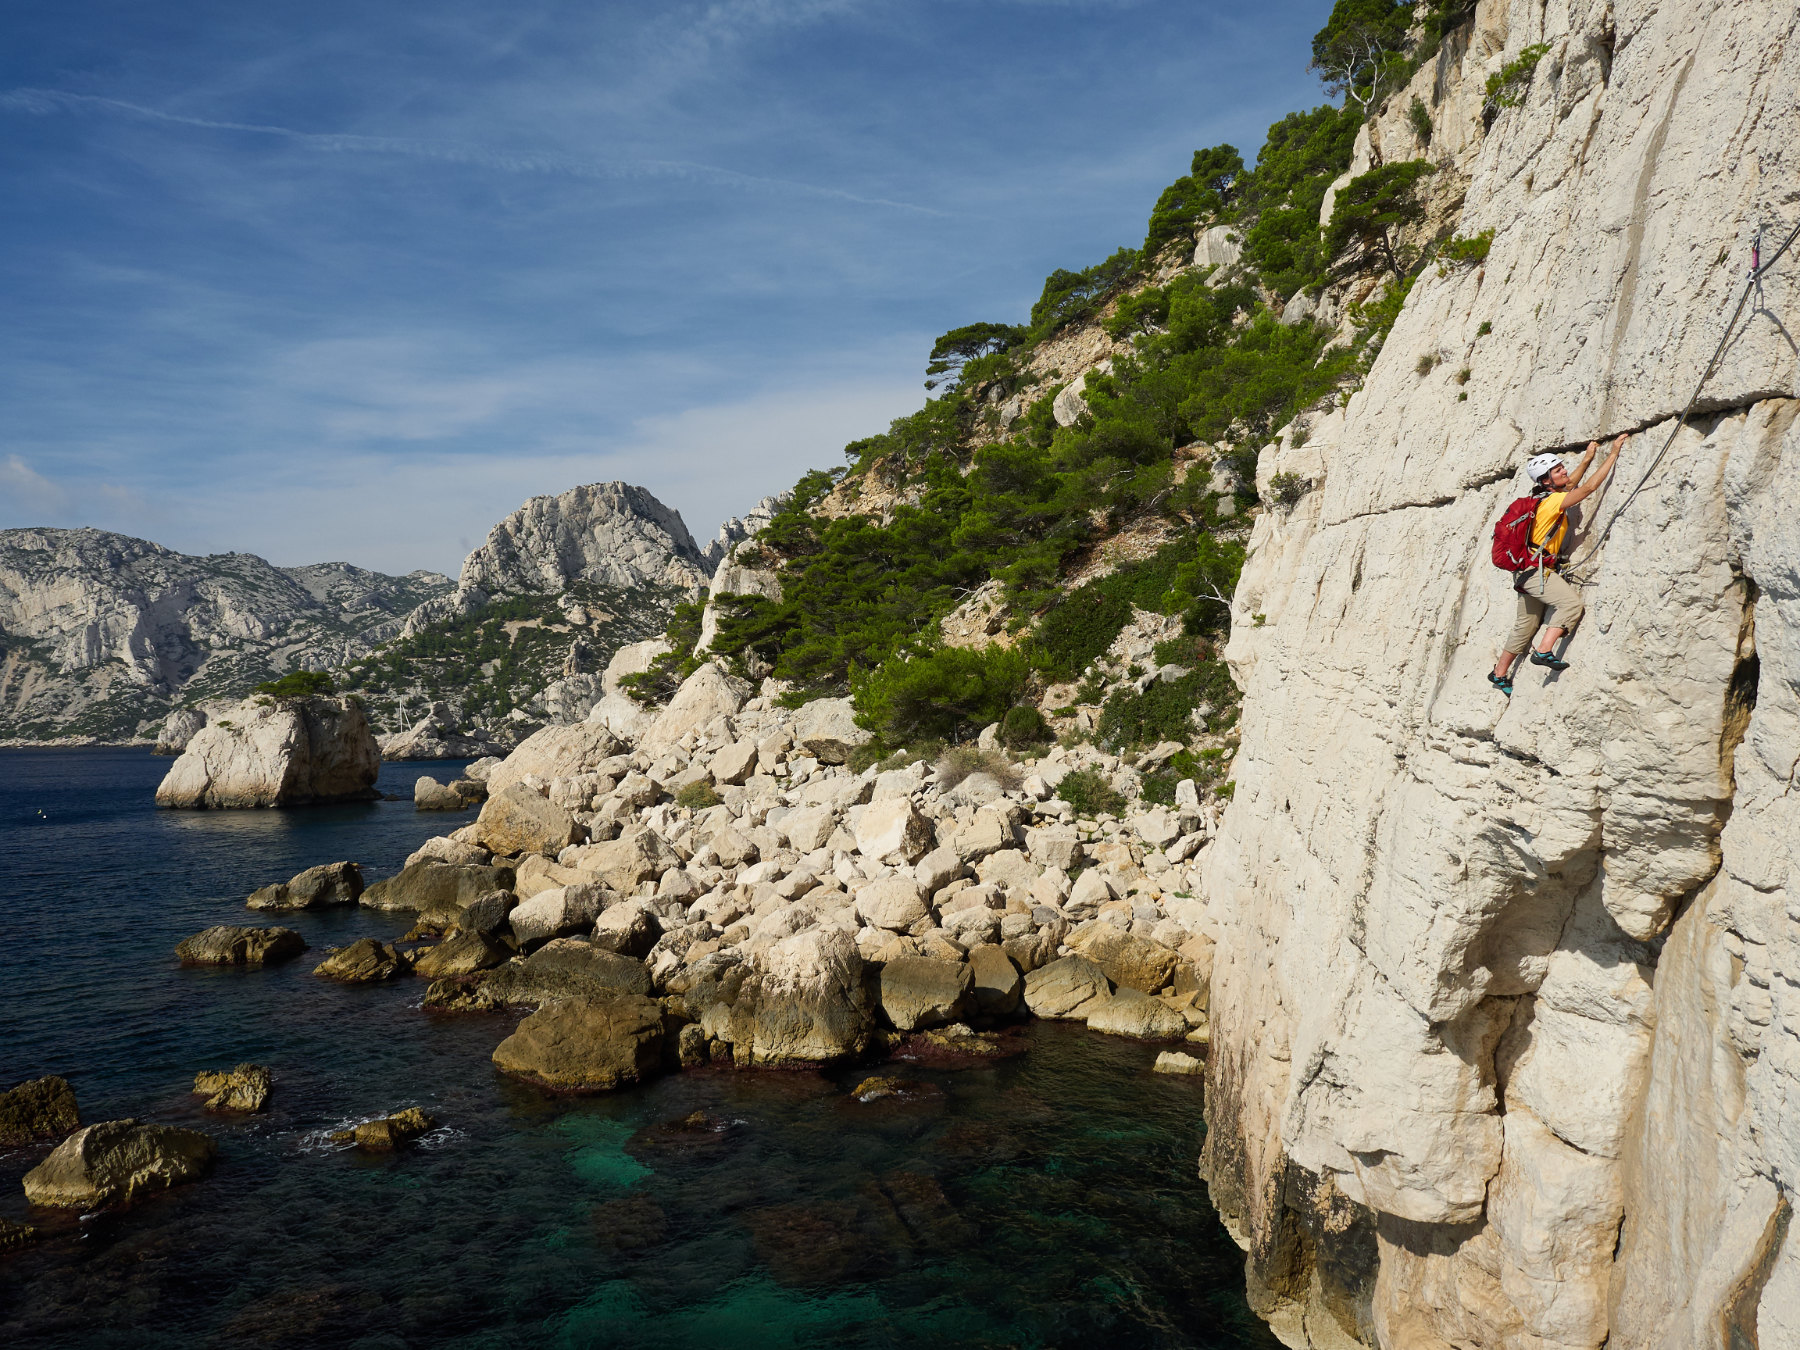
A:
[1752,286]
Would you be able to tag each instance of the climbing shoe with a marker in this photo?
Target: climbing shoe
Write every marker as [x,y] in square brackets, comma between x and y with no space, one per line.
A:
[1503,685]
[1548,661]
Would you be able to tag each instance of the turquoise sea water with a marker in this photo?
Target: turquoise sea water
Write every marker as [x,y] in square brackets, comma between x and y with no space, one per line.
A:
[1047,1200]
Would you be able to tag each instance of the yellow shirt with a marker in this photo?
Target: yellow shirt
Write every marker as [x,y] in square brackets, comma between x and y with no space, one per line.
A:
[1551,525]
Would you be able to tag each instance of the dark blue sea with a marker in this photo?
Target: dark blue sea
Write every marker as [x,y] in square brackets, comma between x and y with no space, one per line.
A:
[1047,1200]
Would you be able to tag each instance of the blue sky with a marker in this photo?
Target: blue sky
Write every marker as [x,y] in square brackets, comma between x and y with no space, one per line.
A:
[332,280]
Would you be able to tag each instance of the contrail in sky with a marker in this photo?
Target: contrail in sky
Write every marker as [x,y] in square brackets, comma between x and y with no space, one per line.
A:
[43,102]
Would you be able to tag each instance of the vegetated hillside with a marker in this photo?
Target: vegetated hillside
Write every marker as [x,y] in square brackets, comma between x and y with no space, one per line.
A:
[101,634]
[1060,527]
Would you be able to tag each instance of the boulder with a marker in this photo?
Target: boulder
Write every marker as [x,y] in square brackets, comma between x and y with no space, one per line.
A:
[589,1044]
[118,1162]
[245,1088]
[938,868]
[1129,1013]
[1054,846]
[557,912]
[517,820]
[735,762]
[363,962]
[554,752]
[433,887]
[277,752]
[1009,868]
[917,991]
[704,697]
[1069,988]
[227,945]
[893,831]
[565,968]
[997,985]
[462,954]
[43,1108]
[826,729]
[1091,891]
[630,929]
[808,827]
[1158,829]
[806,1004]
[488,915]
[388,1132]
[339,883]
[1129,960]
[732,847]
[431,795]
[895,903]
[1178,1062]
[636,856]
[972,924]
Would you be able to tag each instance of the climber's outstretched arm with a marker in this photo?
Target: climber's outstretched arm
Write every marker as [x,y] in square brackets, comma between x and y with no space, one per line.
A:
[1589,488]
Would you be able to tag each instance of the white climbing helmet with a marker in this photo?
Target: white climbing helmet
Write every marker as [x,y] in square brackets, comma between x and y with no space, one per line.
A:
[1539,466]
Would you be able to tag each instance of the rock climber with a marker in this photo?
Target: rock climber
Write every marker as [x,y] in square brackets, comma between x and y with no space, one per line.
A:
[1544,596]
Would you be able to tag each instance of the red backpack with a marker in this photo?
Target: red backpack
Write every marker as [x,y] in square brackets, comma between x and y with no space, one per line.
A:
[1513,551]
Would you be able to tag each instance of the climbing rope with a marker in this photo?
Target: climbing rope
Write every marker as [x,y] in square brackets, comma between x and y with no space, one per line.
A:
[1752,286]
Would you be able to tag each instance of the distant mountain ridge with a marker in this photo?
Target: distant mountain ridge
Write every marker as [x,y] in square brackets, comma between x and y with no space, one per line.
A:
[102,635]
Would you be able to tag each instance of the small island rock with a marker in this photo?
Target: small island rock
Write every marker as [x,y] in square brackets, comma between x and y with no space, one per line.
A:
[277,752]
[230,945]
[338,883]
[363,962]
[245,1088]
[389,1132]
[117,1162]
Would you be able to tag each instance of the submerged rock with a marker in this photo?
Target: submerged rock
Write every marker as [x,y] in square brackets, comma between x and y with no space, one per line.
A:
[116,1163]
[389,1132]
[16,1235]
[589,1044]
[245,1088]
[232,945]
[277,752]
[339,883]
[43,1108]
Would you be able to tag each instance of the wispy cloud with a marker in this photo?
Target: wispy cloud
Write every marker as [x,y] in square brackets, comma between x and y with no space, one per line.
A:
[29,488]
[44,102]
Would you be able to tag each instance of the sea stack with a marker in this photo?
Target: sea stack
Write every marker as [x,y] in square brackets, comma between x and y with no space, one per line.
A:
[277,752]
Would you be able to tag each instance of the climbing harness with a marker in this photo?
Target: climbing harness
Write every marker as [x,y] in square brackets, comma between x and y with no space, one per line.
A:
[1752,286]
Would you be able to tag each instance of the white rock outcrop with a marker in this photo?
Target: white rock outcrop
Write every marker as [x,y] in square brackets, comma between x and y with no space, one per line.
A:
[1505,1007]
[277,752]
[612,534]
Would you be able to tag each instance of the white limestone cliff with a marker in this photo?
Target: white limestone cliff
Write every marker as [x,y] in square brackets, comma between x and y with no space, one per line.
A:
[1506,997]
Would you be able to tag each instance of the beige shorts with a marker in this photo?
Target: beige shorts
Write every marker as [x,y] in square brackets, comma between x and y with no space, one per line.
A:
[1544,598]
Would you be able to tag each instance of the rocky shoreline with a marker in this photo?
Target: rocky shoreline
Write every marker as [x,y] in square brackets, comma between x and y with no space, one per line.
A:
[720,887]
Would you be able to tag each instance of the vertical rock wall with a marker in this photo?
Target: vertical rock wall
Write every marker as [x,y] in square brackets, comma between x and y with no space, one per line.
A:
[1506,995]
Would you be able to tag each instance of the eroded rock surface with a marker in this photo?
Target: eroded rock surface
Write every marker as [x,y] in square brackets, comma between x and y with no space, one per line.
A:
[1504,998]
[117,1162]
[277,752]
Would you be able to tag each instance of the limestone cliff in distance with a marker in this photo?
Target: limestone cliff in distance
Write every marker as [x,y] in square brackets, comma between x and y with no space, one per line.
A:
[102,634]
[1507,992]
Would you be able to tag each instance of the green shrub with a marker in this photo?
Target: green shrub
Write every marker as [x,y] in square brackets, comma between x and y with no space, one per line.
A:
[656,685]
[1071,296]
[1288,488]
[950,692]
[1165,711]
[1420,117]
[298,684]
[1507,87]
[1023,726]
[697,796]
[1486,328]
[1090,794]
[1206,190]
[964,761]
[1458,251]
